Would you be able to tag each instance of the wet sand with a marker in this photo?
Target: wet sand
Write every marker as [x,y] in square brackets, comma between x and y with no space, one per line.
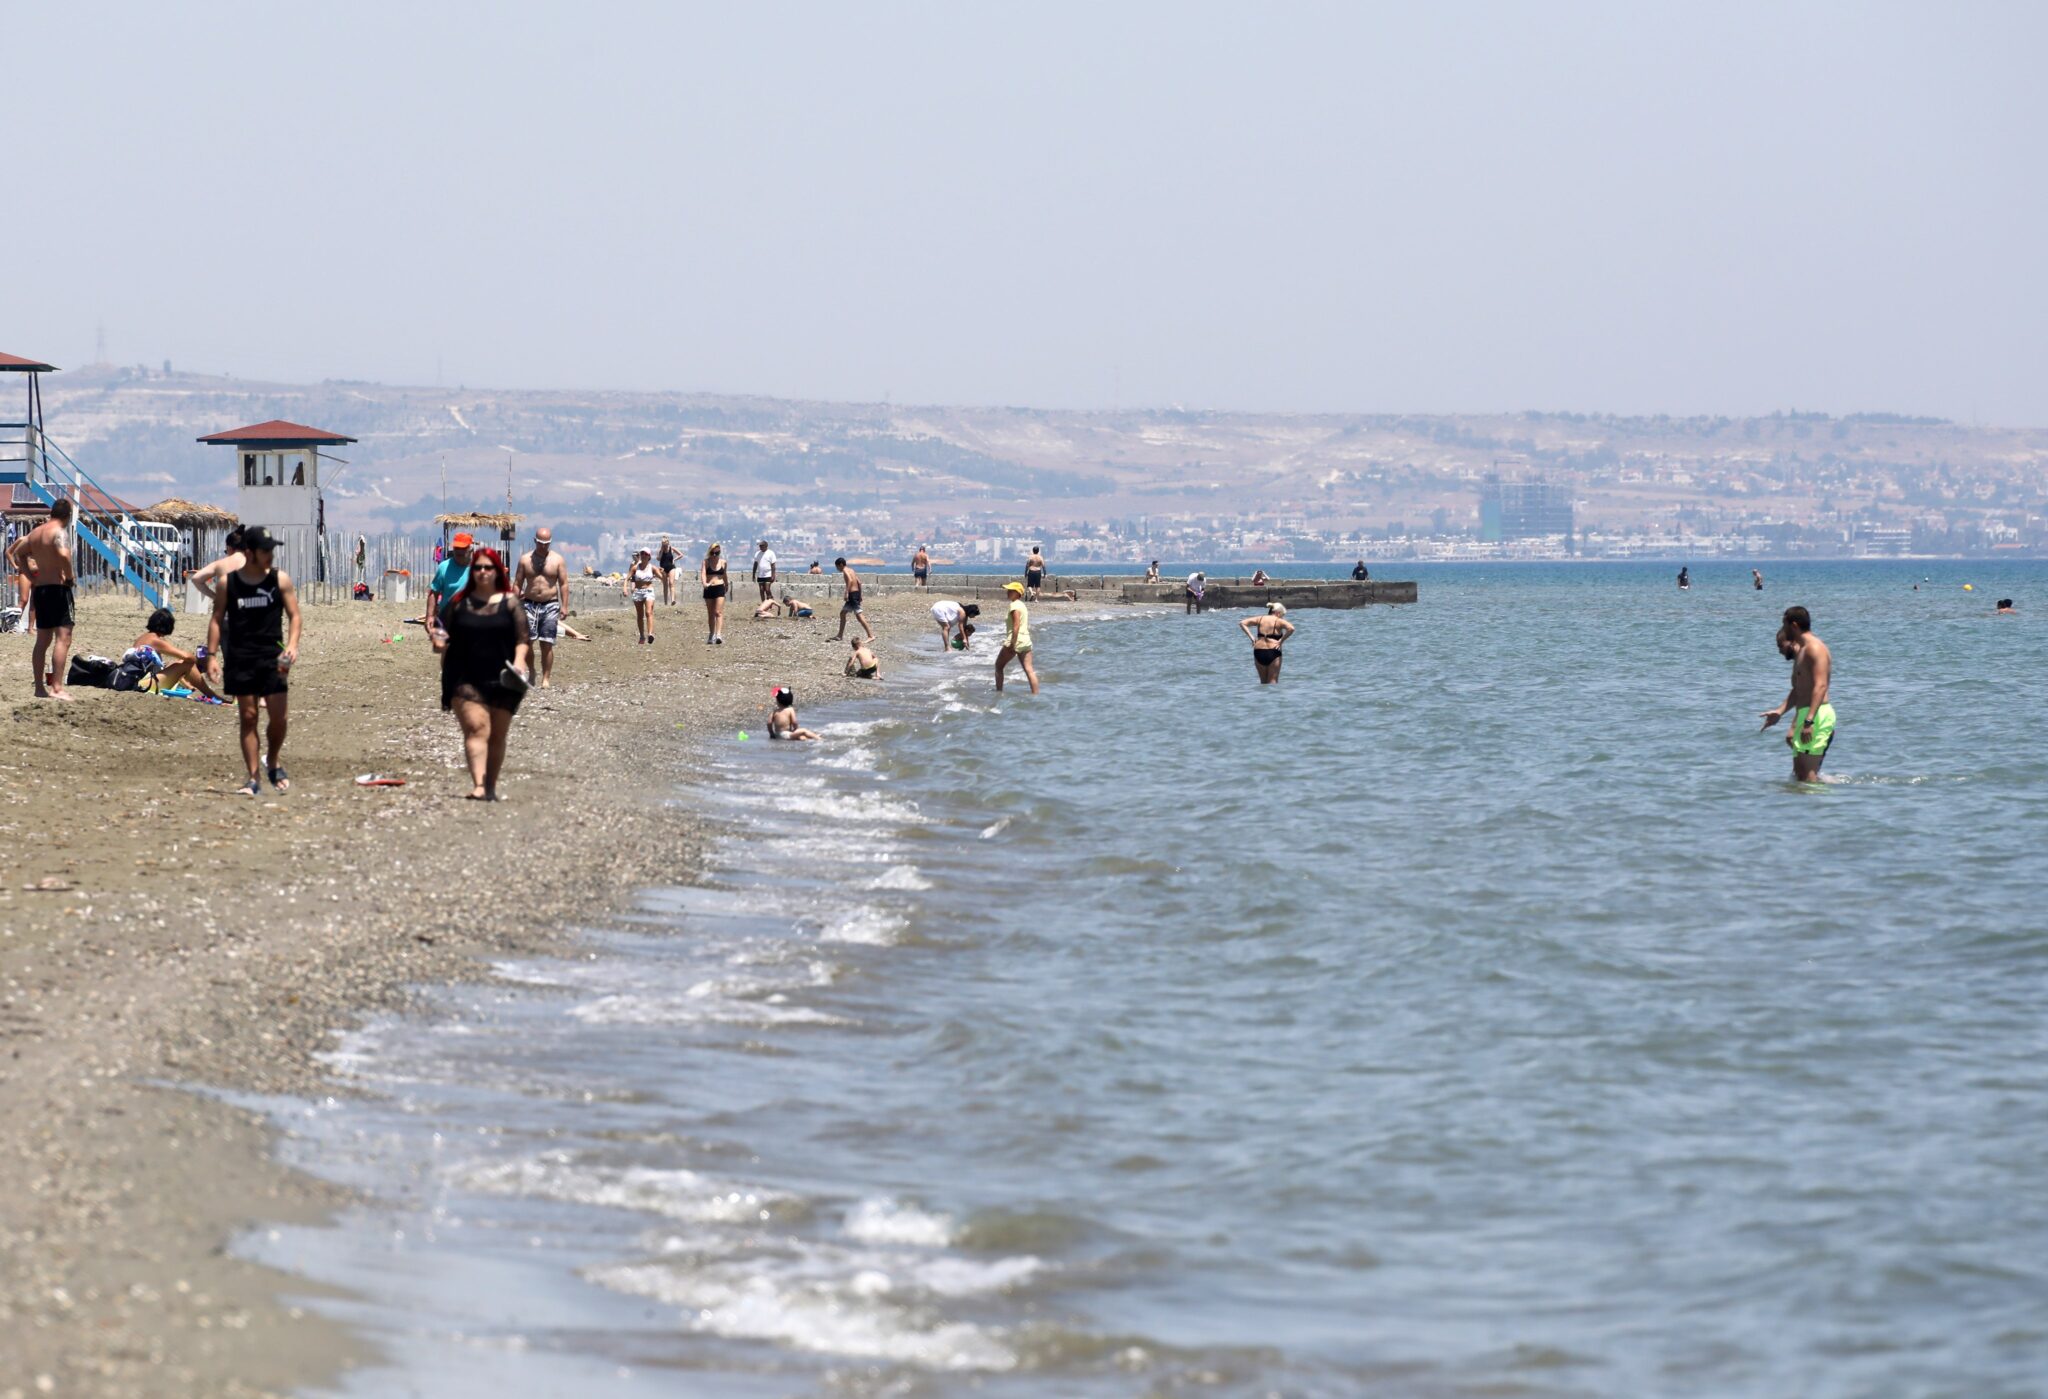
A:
[202,937]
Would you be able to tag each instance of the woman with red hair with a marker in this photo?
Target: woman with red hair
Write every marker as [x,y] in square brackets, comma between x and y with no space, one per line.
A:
[481,638]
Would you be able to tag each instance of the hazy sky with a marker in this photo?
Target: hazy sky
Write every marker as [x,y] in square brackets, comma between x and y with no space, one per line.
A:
[1426,207]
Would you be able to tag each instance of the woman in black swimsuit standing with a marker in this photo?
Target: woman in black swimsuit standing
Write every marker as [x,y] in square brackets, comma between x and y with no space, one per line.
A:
[481,638]
[1268,633]
[665,565]
[711,573]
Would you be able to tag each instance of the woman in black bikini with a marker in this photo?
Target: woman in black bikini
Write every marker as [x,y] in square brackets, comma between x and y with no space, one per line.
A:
[481,638]
[665,565]
[1268,633]
[711,573]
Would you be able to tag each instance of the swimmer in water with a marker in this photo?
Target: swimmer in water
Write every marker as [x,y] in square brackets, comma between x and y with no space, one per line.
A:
[1268,633]
[1684,578]
[1813,718]
[1756,577]
[783,722]
[2006,609]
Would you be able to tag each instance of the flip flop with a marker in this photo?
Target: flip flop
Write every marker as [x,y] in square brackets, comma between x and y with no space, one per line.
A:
[280,779]
[253,788]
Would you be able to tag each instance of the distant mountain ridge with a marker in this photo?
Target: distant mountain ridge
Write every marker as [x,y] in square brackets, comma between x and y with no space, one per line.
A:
[617,460]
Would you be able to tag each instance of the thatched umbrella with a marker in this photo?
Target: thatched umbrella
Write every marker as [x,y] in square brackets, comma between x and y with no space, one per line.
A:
[187,514]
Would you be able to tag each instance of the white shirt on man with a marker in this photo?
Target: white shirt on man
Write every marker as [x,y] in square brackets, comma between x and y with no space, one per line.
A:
[764,564]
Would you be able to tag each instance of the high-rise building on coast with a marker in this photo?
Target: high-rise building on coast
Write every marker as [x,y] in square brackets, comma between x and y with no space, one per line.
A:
[1523,510]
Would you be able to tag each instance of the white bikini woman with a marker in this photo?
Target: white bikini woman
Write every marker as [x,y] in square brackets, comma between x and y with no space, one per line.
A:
[639,590]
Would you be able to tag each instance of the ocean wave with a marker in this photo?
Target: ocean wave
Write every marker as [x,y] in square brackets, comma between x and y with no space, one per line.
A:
[868,925]
[884,1221]
[869,807]
[851,1315]
[899,877]
[671,1192]
[629,1008]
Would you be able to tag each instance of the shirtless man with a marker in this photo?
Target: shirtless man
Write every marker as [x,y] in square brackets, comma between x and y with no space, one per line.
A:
[921,568]
[44,554]
[851,605]
[542,582]
[208,578]
[1813,718]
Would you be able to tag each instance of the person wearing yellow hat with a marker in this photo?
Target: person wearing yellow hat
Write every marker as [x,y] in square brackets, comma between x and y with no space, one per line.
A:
[1016,639]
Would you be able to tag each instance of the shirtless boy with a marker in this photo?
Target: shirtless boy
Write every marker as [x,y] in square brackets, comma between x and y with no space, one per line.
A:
[1813,718]
[542,581]
[44,555]
[851,605]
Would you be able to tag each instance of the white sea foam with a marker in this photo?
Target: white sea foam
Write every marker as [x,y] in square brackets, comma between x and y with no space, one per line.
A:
[857,758]
[991,832]
[869,925]
[853,806]
[673,1193]
[632,1009]
[883,1221]
[899,877]
[849,1315]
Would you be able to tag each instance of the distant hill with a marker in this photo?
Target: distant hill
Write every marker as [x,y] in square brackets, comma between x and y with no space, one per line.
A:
[603,460]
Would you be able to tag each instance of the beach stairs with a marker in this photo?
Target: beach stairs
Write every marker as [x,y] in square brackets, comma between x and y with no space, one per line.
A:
[28,458]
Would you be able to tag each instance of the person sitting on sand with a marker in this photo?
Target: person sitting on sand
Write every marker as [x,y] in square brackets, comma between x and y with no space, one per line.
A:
[783,722]
[173,665]
[482,640]
[862,663]
[952,619]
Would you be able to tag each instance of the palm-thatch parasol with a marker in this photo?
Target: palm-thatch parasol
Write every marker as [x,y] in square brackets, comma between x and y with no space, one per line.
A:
[187,514]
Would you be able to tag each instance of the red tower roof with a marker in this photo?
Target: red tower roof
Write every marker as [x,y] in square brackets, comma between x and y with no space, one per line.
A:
[15,364]
[277,433]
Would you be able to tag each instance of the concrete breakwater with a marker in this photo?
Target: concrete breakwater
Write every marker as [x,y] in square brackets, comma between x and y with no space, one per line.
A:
[1241,594]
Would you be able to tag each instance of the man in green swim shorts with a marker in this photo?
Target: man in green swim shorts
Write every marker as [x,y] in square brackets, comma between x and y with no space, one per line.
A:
[1813,718]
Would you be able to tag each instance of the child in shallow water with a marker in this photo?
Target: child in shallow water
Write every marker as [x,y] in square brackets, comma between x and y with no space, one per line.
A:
[863,663]
[783,722]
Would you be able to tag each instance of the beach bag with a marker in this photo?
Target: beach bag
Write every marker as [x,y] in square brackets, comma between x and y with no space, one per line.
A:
[130,675]
[13,619]
[93,672]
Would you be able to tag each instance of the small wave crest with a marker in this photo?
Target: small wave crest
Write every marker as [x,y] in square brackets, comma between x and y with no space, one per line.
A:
[673,1193]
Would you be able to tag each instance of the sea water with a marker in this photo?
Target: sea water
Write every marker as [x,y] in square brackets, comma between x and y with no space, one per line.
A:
[1481,1011]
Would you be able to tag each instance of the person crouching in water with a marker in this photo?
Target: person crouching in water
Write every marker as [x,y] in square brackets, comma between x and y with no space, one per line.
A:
[1016,639]
[482,640]
[250,650]
[954,626]
[863,663]
[1268,633]
[783,722]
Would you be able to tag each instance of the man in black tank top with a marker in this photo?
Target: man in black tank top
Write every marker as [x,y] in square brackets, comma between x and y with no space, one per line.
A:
[250,653]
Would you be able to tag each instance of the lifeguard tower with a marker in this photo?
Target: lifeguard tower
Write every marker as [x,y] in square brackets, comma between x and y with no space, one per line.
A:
[277,471]
[30,462]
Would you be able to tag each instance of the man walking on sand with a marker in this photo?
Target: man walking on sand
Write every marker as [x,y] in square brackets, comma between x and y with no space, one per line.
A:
[764,570]
[451,576]
[542,583]
[1813,718]
[44,556]
[250,652]
[852,602]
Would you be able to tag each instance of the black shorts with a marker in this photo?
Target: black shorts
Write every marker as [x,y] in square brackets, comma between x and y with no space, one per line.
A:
[1034,580]
[920,574]
[852,603]
[259,676]
[715,590]
[51,603]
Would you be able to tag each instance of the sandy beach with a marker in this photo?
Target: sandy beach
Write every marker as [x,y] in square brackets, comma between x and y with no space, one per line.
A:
[158,930]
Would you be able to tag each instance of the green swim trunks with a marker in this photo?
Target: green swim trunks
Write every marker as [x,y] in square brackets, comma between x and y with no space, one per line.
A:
[1823,732]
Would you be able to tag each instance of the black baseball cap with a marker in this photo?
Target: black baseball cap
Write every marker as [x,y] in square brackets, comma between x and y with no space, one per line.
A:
[255,537]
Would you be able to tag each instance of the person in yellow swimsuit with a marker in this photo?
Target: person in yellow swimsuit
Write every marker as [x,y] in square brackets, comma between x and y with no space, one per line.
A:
[1813,718]
[1016,639]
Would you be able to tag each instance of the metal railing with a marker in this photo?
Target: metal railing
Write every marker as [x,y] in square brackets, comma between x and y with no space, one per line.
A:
[50,474]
